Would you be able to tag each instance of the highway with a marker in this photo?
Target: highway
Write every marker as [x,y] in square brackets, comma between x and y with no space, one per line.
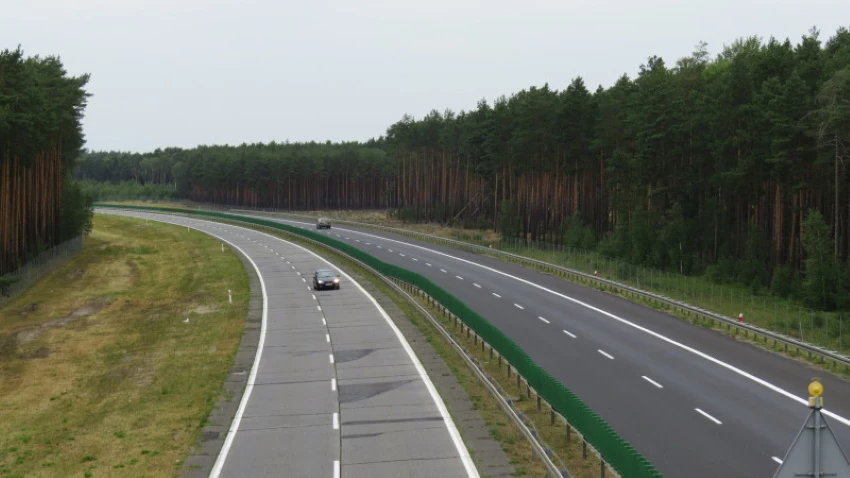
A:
[335,389]
[695,402]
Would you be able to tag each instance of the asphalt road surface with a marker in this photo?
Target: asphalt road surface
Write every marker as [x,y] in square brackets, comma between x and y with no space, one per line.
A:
[335,389]
[695,402]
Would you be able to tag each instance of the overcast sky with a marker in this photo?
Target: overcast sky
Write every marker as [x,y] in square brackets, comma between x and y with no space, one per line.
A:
[189,72]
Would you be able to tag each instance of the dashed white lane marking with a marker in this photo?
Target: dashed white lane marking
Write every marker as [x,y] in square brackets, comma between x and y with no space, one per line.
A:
[324,322]
[379,247]
[338,235]
[347,238]
[308,288]
[519,306]
[390,250]
[606,354]
[544,320]
[496,295]
[368,243]
[331,358]
[298,273]
[336,421]
[776,459]
[319,307]
[708,416]
[476,285]
[415,259]
[314,296]
[459,277]
[428,264]
[651,381]
[357,240]
[443,271]
[328,338]
[569,333]
[333,385]
[336,468]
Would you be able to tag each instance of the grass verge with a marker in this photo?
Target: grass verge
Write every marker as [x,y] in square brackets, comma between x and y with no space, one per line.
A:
[99,372]
[579,462]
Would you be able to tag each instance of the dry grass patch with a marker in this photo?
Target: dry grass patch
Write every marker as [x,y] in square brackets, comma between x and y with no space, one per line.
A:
[99,373]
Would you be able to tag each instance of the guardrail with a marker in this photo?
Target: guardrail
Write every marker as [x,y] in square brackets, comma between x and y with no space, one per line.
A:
[606,284]
[613,449]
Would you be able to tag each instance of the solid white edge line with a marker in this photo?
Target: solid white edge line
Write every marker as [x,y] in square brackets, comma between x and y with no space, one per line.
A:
[776,459]
[706,415]
[249,387]
[570,334]
[605,354]
[651,381]
[544,320]
[657,335]
[336,468]
[336,420]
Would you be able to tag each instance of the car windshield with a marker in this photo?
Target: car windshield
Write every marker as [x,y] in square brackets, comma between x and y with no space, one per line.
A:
[325,274]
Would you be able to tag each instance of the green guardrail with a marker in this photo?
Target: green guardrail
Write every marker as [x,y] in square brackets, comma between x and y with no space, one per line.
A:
[616,451]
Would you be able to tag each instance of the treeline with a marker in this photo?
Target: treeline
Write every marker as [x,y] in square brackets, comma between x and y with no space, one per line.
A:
[280,175]
[40,138]
[706,164]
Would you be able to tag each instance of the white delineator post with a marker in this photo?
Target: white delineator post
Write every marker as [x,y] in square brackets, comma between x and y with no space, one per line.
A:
[229,296]
[222,247]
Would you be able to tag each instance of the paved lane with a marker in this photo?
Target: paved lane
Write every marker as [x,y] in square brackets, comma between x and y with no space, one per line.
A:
[335,389]
[693,401]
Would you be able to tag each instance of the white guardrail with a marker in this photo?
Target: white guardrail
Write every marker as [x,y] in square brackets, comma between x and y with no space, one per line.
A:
[606,284]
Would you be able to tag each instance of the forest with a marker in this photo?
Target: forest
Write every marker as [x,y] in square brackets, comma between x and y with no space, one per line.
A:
[41,107]
[734,165]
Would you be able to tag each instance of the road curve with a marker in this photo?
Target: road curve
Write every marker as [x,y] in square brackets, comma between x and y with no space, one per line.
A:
[695,402]
[335,389]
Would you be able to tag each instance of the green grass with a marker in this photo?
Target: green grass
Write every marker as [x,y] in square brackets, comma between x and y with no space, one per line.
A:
[90,348]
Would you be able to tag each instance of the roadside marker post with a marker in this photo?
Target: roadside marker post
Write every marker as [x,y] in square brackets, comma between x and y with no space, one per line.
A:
[229,296]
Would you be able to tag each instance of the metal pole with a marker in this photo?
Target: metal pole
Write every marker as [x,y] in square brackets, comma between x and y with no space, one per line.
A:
[817,444]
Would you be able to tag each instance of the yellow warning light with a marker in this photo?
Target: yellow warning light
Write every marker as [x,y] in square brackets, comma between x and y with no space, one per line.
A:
[815,389]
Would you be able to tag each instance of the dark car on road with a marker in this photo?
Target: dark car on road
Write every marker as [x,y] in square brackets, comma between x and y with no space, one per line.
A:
[323,223]
[325,279]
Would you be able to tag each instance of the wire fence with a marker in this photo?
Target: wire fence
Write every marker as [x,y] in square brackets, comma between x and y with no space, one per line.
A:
[824,329]
[38,267]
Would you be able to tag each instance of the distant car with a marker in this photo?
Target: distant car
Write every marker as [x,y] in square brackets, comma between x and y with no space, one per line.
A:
[325,279]
[323,223]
